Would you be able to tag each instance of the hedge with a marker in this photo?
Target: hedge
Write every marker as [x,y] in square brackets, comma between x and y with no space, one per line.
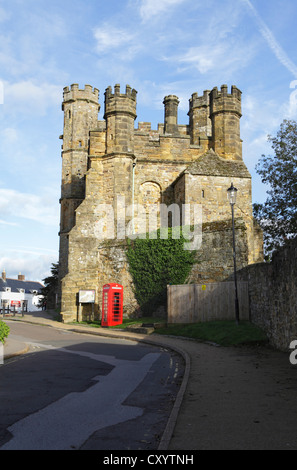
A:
[4,331]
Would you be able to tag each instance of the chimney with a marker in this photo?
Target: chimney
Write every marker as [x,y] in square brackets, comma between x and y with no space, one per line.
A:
[171,103]
[4,275]
[21,277]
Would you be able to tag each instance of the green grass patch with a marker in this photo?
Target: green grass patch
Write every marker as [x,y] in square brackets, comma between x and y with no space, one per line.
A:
[224,333]
[126,322]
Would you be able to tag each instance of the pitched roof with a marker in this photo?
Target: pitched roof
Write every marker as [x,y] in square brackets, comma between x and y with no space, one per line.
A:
[15,285]
[210,164]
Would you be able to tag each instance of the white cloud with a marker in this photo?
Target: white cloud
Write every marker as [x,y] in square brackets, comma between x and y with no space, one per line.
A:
[272,42]
[4,222]
[212,45]
[29,96]
[34,267]
[260,117]
[290,108]
[110,37]
[10,135]
[151,8]
[27,250]
[41,209]
[30,42]
[4,15]
[207,58]
[1,92]
[203,58]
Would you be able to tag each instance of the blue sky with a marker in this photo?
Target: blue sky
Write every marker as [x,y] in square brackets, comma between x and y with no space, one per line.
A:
[158,47]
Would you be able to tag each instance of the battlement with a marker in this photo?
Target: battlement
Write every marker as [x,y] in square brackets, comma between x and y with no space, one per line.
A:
[75,93]
[222,101]
[144,126]
[197,101]
[130,93]
[208,96]
[120,103]
[235,93]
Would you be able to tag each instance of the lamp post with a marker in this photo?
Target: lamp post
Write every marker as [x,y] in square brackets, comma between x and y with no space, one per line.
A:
[232,194]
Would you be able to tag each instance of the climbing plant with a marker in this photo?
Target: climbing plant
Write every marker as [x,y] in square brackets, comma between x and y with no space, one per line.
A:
[155,263]
[4,331]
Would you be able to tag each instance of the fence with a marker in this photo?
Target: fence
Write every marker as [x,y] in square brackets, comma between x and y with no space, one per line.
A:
[192,303]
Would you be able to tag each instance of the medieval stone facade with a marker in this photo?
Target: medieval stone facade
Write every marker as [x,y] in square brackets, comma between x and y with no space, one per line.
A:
[109,164]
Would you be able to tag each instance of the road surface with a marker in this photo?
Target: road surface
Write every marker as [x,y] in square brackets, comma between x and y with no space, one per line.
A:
[76,391]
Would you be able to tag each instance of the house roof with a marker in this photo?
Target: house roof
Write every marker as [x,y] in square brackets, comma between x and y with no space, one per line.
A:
[15,285]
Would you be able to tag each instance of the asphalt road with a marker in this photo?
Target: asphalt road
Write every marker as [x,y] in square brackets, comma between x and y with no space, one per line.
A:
[73,391]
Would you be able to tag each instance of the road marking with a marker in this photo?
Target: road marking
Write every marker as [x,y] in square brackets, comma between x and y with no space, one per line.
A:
[70,421]
[96,357]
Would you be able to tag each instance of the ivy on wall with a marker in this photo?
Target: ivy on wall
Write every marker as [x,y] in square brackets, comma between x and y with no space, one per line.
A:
[155,263]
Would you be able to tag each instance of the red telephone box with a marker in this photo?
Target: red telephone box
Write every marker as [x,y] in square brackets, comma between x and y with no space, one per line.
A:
[112,305]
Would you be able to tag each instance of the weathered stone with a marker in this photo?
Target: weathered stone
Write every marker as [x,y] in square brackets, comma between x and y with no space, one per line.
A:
[182,164]
[273,295]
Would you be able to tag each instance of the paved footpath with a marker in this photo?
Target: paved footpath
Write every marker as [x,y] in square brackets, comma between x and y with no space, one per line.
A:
[231,398]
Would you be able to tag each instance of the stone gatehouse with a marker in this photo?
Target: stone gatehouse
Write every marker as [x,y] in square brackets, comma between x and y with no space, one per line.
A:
[104,161]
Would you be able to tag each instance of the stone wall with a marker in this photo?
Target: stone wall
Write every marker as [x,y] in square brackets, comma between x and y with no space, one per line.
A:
[273,295]
[93,263]
[215,257]
[112,167]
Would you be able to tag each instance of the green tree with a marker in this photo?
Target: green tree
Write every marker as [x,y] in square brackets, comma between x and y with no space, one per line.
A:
[51,286]
[278,215]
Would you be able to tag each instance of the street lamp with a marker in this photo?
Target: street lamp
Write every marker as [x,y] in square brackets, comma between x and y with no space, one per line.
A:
[232,194]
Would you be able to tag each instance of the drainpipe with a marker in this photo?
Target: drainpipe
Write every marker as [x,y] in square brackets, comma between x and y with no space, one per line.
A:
[133,184]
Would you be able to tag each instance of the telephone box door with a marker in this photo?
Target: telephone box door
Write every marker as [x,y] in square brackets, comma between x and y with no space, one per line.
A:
[112,305]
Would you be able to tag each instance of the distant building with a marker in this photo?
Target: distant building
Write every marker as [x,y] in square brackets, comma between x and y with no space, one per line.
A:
[19,295]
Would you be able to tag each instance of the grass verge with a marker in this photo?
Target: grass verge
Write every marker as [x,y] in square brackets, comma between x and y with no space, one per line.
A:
[224,333]
[126,322]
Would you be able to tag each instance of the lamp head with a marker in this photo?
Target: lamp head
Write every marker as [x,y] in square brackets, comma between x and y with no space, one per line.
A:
[232,194]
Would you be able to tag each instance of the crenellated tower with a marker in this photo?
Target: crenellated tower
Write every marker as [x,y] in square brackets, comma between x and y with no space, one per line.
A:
[200,123]
[225,114]
[120,114]
[81,109]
